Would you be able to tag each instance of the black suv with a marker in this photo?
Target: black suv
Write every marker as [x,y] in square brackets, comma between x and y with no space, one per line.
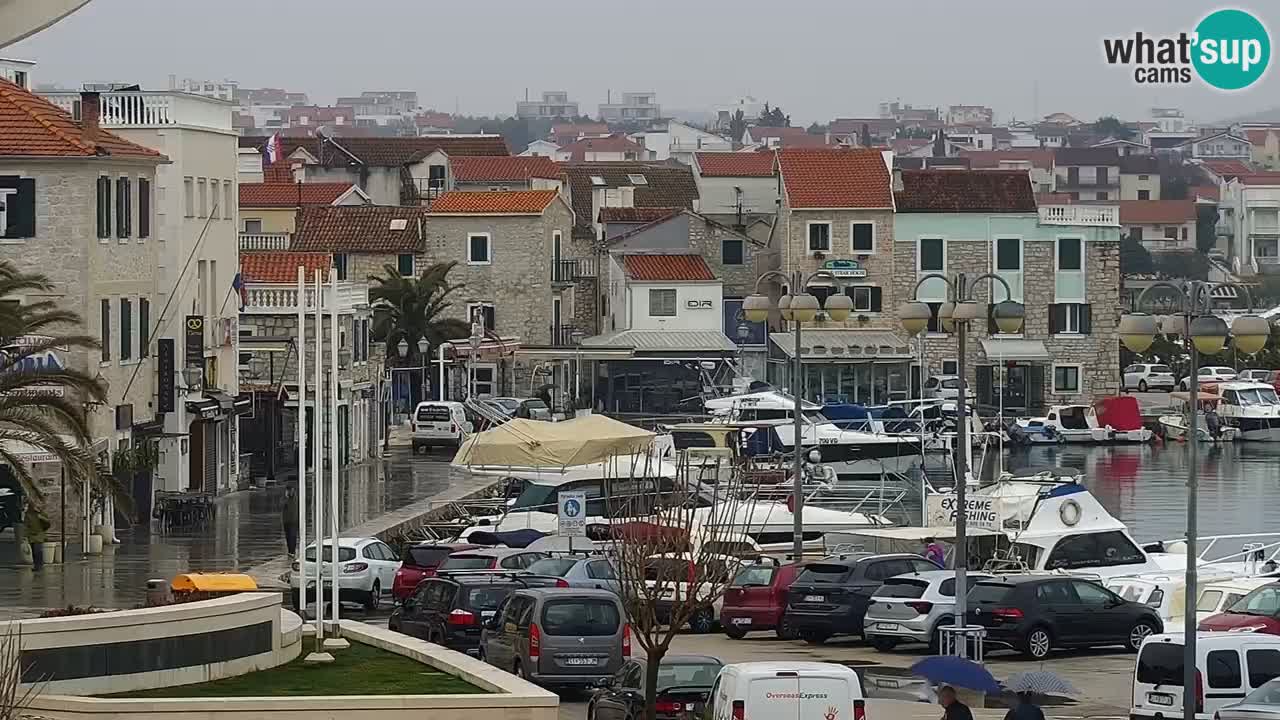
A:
[830,596]
[1036,613]
[450,609]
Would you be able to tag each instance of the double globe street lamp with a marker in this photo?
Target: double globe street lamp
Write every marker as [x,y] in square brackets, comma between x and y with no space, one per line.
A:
[1207,334]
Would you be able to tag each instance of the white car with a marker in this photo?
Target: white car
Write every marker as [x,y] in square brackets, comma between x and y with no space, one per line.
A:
[366,571]
[1145,376]
[668,578]
[1212,374]
[440,423]
[910,608]
[945,387]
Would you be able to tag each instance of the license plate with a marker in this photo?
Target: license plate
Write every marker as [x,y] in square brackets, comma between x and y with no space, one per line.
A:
[886,626]
[688,706]
[1160,699]
[815,598]
[486,614]
[580,661]
[890,684]
[742,621]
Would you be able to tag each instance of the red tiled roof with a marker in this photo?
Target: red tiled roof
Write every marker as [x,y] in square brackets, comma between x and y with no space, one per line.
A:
[359,229]
[761,132]
[1258,136]
[660,268]
[636,214]
[667,185]
[1207,192]
[735,164]
[504,169]
[1150,212]
[520,202]
[1260,178]
[290,195]
[1054,199]
[277,172]
[1227,168]
[1042,159]
[31,126]
[613,143]
[960,191]
[835,178]
[280,267]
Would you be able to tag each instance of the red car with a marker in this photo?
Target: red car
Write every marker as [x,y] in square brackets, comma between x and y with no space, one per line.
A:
[419,562]
[756,598]
[1259,611]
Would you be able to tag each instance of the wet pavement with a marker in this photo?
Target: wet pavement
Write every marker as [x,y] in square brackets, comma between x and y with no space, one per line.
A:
[245,534]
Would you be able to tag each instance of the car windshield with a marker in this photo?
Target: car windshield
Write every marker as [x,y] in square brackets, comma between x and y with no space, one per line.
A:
[1160,663]
[580,617]
[754,576]
[1163,369]
[427,556]
[509,404]
[1264,601]
[466,562]
[552,566]
[951,384]
[824,573]
[344,553]
[990,593]
[905,588]
[677,675]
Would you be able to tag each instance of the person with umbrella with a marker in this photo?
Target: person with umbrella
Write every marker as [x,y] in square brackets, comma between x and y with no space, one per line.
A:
[1024,708]
[952,708]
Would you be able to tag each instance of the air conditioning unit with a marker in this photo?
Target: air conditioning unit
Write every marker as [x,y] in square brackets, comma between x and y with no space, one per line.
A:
[819,254]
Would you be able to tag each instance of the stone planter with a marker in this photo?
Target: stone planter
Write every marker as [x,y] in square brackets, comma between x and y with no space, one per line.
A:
[49,551]
[95,545]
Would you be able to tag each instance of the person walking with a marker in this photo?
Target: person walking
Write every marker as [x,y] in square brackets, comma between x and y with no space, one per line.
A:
[934,551]
[1025,709]
[952,708]
[289,519]
[34,527]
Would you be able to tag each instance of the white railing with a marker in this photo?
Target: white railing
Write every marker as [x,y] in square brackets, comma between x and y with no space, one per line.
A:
[1098,215]
[148,108]
[264,241]
[1167,245]
[282,298]
[1267,259]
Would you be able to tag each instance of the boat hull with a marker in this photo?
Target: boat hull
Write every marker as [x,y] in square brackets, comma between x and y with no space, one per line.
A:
[1175,429]
[1259,434]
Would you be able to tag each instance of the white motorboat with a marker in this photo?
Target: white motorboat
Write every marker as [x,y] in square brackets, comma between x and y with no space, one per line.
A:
[1110,420]
[1253,408]
[1209,428]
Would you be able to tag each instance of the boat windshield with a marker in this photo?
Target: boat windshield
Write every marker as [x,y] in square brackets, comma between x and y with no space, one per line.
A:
[1100,549]
[1256,396]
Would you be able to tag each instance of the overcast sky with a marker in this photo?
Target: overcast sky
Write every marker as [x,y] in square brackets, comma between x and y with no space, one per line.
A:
[818,59]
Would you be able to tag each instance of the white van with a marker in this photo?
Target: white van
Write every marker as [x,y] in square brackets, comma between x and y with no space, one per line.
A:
[1229,665]
[787,691]
[439,423]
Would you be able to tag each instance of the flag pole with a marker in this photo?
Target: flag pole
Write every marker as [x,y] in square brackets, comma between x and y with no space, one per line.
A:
[317,474]
[300,342]
[335,640]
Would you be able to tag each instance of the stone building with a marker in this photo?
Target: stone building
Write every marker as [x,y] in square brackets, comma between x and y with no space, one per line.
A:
[363,239]
[1061,261]
[77,205]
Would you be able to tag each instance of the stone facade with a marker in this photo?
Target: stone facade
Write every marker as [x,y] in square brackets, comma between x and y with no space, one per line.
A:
[881,266]
[707,239]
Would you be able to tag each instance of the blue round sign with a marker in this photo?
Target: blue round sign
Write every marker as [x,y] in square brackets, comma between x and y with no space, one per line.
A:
[572,508]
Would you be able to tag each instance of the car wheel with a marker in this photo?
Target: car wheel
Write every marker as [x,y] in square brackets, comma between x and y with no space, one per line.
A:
[785,630]
[1037,644]
[734,632]
[882,643]
[591,711]
[703,621]
[374,598]
[814,637]
[1142,386]
[1138,633]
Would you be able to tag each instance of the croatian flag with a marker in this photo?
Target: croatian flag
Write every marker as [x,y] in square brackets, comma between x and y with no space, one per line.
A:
[272,149]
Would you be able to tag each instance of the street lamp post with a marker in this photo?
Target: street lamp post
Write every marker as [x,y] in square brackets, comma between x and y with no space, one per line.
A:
[956,314]
[797,309]
[1207,334]
[403,348]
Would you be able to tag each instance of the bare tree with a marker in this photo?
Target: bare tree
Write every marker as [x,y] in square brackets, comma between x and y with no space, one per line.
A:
[676,548]
[14,698]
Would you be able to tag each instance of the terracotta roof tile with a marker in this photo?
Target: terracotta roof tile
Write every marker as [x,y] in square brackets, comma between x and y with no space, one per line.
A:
[1140,212]
[635,215]
[277,172]
[31,126]
[675,268]
[1227,168]
[290,195]
[960,191]
[281,267]
[836,178]
[518,202]
[735,164]
[1207,192]
[503,169]
[1260,178]
[359,229]
[667,185]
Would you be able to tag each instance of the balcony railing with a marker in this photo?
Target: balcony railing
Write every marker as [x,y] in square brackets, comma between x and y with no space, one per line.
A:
[150,108]
[1267,259]
[282,298]
[264,241]
[1096,215]
[1108,183]
[566,335]
[570,270]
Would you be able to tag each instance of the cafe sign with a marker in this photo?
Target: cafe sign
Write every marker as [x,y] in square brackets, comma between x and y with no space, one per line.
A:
[845,268]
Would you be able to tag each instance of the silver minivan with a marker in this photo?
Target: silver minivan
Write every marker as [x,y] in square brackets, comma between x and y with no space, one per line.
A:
[561,637]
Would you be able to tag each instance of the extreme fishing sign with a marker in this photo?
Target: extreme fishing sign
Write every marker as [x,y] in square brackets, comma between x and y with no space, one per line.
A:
[980,511]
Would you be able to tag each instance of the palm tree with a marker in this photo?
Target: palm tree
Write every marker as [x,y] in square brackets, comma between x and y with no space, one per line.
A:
[408,308]
[41,405]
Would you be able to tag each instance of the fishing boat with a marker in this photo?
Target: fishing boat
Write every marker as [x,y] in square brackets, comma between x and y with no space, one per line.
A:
[1109,420]
[1251,407]
[1209,428]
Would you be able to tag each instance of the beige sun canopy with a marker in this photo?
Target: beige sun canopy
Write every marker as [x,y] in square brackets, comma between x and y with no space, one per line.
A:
[535,443]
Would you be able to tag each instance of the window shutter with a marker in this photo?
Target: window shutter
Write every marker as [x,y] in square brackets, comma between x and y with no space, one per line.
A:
[122,207]
[984,384]
[144,327]
[1057,318]
[103,210]
[876,299]
[21,212]
[1035,386]
[1086,319]
[144,208]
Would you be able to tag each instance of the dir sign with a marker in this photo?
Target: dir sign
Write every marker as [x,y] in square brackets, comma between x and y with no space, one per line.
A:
[572,509]
[980,512]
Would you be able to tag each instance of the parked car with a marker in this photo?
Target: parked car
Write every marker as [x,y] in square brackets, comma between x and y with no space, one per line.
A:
[529,408]
[564,637]
[450,608]
[367,570]
[787,690]
[440,423]
[1228,667]
[418,562]
[1259,611]
[684,685]
[1146,376]
[491,558]
[830,596]
[910,608]
[584,571]
[945,387]
[757,600]
[1218,597]
[675,572]
[1261,704]
[1208,377]
[1037,613]
[1270,377]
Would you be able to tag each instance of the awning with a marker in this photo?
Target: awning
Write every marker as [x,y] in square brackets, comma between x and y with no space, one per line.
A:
[1000,349]
[540,352]
[664,341]
[213,405]
[488,349]
[845,345]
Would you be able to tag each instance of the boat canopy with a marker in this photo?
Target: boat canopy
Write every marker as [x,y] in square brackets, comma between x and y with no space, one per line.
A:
[535,443]
[1120,413]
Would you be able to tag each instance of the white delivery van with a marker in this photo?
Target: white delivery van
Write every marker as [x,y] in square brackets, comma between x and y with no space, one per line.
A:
[439,423]
[1229,665]
[787,691]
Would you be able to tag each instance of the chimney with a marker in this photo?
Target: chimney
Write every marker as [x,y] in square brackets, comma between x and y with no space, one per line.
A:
[90,116]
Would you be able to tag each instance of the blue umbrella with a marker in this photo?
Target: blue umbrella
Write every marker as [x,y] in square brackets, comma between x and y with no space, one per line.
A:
[956,672]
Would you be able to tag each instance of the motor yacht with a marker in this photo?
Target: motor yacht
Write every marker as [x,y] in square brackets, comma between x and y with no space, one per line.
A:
[1251,407]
